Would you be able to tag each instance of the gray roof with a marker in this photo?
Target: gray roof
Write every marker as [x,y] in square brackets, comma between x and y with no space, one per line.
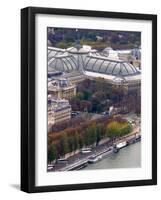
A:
[104,65]
[90,61]
[64,63]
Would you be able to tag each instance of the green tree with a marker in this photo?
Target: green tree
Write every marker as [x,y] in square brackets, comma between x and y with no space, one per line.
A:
[52,153]
[98,133]
[90,135]
[81,142]
[76,141]
[86,95]
[80,95]
[86,138]
[71,143]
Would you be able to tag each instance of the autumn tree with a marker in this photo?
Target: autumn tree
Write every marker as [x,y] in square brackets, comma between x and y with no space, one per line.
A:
[64,144]
[117,129]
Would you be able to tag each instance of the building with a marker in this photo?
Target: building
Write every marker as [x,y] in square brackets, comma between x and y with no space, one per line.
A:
[116,72]
[117,67]
[59,110]
[61,89]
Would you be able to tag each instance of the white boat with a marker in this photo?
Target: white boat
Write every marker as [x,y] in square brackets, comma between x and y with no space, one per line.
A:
[86,150]
[121,145]
[118,146]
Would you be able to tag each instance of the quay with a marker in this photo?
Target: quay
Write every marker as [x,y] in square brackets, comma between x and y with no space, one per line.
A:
[76,166]
[82,163]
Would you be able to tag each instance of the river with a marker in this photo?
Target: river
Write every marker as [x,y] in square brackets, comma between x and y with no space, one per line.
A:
[128,157]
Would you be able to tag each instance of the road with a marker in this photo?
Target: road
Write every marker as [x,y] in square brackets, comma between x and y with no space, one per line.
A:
[82,158]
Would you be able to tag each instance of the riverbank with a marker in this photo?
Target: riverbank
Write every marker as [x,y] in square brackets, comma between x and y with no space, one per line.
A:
[82,160]
[128,157]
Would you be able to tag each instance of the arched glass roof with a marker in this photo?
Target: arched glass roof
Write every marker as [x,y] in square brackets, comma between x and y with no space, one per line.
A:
[104,65]
[86,60]
[64,63]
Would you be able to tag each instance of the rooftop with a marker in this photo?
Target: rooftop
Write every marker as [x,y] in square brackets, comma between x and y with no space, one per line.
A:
[59,104]
[88,61]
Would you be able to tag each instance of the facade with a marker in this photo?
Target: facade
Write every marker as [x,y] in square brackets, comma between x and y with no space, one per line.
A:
[61,89]
[58,111]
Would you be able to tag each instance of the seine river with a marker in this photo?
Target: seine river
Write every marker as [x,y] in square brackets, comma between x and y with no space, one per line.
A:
[128,157]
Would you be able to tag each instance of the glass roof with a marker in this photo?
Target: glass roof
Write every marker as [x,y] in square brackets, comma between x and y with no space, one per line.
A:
[64,63]
[111,67]
[68,61]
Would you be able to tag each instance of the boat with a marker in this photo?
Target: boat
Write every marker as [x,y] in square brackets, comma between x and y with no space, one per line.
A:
[119,146]
[94,159]
[86,150]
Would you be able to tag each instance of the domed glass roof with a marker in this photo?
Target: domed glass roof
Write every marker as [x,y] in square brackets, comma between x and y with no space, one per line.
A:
[110,67]
[64,63]
[53,51]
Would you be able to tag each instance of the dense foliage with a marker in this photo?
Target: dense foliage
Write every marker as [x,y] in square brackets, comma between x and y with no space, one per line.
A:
[92,96]
[89,134]
[98,39]
[118,129]
[97,96]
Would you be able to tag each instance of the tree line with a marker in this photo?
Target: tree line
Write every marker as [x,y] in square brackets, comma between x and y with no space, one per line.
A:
[67,37]
[69,141]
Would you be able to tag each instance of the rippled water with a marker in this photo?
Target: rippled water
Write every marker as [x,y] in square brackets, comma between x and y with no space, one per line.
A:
[129,157]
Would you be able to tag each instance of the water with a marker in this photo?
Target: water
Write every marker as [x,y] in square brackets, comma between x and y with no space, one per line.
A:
[128,157]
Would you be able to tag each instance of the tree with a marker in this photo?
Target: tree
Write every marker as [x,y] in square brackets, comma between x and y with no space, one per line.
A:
[90,135]
[118,128]
[80,95]
[100,95]
[86,106]
[71,143]
[99,131]
[81,142]
[86,95]
[52,153]
[64,144]
[86,138]
[76,141]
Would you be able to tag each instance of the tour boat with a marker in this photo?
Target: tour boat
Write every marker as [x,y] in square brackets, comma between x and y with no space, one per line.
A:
[119,146]
[94,159]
